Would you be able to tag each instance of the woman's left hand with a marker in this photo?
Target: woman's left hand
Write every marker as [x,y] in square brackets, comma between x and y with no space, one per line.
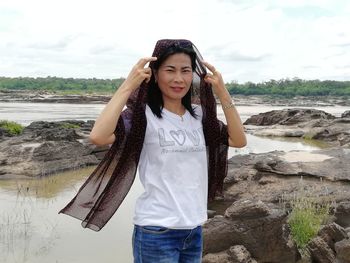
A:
[215,79]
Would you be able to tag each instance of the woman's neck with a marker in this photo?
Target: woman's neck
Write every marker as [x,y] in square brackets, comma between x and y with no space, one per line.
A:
[175,107]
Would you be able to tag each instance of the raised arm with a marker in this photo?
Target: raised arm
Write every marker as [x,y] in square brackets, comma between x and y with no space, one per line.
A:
[103,131]
[235,128]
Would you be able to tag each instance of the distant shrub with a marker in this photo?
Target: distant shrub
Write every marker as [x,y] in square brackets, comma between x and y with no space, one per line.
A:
[11,127]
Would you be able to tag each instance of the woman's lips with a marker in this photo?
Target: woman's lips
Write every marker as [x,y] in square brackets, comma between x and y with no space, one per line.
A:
[177,89]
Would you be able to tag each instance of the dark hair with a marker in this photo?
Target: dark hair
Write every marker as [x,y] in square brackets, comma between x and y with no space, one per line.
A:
[154,94]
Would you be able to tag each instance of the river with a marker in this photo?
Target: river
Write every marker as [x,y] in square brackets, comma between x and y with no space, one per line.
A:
[32,231]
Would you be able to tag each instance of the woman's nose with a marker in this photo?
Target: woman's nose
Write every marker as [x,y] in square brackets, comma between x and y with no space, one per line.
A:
[178,77]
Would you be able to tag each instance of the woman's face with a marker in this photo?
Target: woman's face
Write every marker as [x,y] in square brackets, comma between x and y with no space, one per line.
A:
[174,76]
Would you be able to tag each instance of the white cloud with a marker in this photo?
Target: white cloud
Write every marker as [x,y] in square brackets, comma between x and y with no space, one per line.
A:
[246,40]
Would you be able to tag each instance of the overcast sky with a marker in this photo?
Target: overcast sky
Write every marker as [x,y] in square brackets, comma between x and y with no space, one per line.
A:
[247,40]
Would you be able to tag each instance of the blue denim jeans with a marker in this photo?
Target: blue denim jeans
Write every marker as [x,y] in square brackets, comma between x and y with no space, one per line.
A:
[154,244]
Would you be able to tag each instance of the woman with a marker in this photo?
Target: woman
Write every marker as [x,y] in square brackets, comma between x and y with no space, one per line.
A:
[170,132]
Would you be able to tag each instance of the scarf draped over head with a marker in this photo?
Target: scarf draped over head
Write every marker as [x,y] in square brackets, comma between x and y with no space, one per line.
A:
[104,190]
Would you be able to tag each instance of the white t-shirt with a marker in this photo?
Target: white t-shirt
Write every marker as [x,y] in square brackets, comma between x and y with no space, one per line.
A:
[173,171]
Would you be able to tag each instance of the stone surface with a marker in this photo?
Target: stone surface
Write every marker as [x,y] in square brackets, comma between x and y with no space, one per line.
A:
[320,251]
[343,213]
[342,248]
[287,117]
[38,96]
[245,209]
[46,148]
[240,254]
[262,230]
[235,254]
[222,257]
[268,176]
[346,114]
[332,233]
[303,123]
[257,192]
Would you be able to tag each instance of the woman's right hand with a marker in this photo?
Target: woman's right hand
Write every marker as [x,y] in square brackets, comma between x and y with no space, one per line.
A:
[139,73]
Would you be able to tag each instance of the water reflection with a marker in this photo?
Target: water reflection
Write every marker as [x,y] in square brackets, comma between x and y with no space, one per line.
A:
[32,231]
[257,144]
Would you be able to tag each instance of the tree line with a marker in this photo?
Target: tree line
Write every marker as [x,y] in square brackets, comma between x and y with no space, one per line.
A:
[283,87]
[292,87]
[61,85]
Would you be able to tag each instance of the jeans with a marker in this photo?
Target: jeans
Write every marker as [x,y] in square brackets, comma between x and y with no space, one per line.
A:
[154,244]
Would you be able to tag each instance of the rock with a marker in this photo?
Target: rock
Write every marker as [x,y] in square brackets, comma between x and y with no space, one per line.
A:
[262,230]
[257,192]
[337,130]
[342,248]
[47,97]
[269,176]
[332,233]
[211,213]
[245,209]
[235,254]
[287,117]
[330,164]
[320,251]
[4,133]
[346,114]
[222,257]
[258,184]
[348,231]
[305,123]
[240,254]
[343,213]
[46,148]
[56,131]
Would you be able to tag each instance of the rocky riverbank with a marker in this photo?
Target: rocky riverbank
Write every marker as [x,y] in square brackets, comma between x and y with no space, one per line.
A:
[258,191]
[249,223]
[50,97]
[46,148]
[50,147]
[304,123]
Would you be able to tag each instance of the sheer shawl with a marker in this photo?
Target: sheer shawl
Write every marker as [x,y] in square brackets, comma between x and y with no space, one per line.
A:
[105,189]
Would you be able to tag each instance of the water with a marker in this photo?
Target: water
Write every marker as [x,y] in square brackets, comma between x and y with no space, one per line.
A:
[25,113]
[32,231]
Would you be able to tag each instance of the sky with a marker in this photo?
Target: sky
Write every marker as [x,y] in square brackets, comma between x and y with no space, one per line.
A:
[246,40]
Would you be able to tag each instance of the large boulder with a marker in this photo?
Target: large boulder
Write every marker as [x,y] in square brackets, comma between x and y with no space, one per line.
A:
[287,117]
[260,228]
[342,248]
[48,147]
[320,251]
[303,123]
[332,233]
